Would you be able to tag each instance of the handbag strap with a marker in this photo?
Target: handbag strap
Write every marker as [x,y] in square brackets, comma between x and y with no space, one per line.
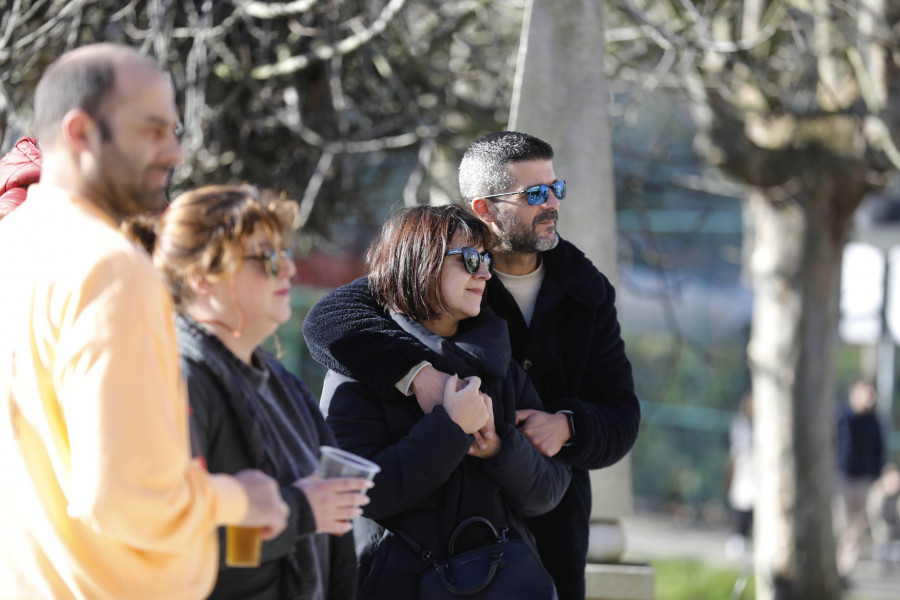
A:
[442,567]
[423,552]
[500,537]
[427,555]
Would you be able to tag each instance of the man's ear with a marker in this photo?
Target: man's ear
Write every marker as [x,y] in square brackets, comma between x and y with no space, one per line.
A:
[79,129]
[483,209]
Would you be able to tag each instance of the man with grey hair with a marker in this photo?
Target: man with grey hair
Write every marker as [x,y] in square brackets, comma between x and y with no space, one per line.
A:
[100,497]
[562,322]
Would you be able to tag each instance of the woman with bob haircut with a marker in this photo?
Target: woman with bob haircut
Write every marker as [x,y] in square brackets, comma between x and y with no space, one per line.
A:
[221,251]
[427,269]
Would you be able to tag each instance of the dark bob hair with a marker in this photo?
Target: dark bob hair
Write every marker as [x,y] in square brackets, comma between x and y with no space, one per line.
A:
[405,260]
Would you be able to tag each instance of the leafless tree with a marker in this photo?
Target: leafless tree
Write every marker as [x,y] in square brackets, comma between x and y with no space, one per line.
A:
[798,100]
[344,105]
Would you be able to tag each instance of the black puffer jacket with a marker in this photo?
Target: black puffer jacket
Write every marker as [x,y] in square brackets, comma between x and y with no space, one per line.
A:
[572,351]
[428,484]
[229,433]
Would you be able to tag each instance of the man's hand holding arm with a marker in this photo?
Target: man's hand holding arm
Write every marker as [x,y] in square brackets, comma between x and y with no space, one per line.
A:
[547,432]
[428,387]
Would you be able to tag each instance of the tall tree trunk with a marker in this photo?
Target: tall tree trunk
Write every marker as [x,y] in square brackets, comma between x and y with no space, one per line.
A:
[560,42]
[795,265]
[793,99]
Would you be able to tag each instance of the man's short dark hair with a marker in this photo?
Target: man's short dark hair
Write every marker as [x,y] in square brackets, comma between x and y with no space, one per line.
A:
[483,169]
[82,78]
[405,260]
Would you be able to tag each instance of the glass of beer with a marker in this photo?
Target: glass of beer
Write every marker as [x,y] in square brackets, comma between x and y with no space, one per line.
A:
[243,546]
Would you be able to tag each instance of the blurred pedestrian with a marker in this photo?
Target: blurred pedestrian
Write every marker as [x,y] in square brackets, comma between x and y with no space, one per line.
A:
[883,510]
[222,253]
[100,497]
[742,478]
[860,460]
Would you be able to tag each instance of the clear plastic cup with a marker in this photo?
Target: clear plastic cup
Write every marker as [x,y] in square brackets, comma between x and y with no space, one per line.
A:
[335,462]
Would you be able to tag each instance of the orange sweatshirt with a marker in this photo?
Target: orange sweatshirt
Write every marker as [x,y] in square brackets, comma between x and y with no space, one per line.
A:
[99,498]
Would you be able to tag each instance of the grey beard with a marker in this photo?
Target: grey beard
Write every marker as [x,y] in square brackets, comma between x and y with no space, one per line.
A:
[513,237]
[543,244]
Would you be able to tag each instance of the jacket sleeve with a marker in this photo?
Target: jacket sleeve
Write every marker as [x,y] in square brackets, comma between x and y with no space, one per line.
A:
[412,468]
[19,168]
[342,563]
[348,332]
[531,482]
[607,413]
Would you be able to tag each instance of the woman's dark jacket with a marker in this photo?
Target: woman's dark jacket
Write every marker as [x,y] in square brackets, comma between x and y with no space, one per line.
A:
[572,351]
[227,431]
[428,484]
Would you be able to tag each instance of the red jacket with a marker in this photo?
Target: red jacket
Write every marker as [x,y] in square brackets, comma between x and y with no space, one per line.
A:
[19,168]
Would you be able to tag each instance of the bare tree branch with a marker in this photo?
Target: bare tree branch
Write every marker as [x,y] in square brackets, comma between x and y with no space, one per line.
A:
[345,46]
[269,10]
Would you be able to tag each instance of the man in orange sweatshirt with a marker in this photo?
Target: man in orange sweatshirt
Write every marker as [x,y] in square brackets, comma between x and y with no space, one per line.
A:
[99,496]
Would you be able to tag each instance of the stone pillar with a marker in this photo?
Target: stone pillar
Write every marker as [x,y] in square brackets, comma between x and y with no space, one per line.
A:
[560,96]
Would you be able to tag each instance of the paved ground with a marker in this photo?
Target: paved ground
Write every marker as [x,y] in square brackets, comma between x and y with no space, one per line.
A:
[652,536]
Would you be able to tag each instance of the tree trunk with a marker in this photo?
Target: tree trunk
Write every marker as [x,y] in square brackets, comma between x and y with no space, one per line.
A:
[560,43]
[795,265]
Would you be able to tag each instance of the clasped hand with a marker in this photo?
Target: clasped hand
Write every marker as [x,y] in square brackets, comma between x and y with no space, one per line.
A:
[473,411]
[463,400]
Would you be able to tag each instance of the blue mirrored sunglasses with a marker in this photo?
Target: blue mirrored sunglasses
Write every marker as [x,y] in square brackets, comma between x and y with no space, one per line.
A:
[271,260]
[538,194]
[472,258]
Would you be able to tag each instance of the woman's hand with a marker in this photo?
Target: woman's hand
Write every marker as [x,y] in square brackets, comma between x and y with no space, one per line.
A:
[487,442]
[465,405]
[334,502]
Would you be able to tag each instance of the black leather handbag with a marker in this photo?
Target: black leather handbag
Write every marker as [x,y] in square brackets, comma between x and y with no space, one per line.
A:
[502,570]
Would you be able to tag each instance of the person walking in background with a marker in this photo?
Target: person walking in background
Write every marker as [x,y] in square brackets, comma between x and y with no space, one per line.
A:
[428,267]
[860,459]
[563,328]
[221,251]
[883,512]
[100,496]
[19,168]
[742,478]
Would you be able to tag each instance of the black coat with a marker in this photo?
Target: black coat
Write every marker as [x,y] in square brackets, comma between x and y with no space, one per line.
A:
[428,484]
[573,353]
[860,448]
[226,432]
